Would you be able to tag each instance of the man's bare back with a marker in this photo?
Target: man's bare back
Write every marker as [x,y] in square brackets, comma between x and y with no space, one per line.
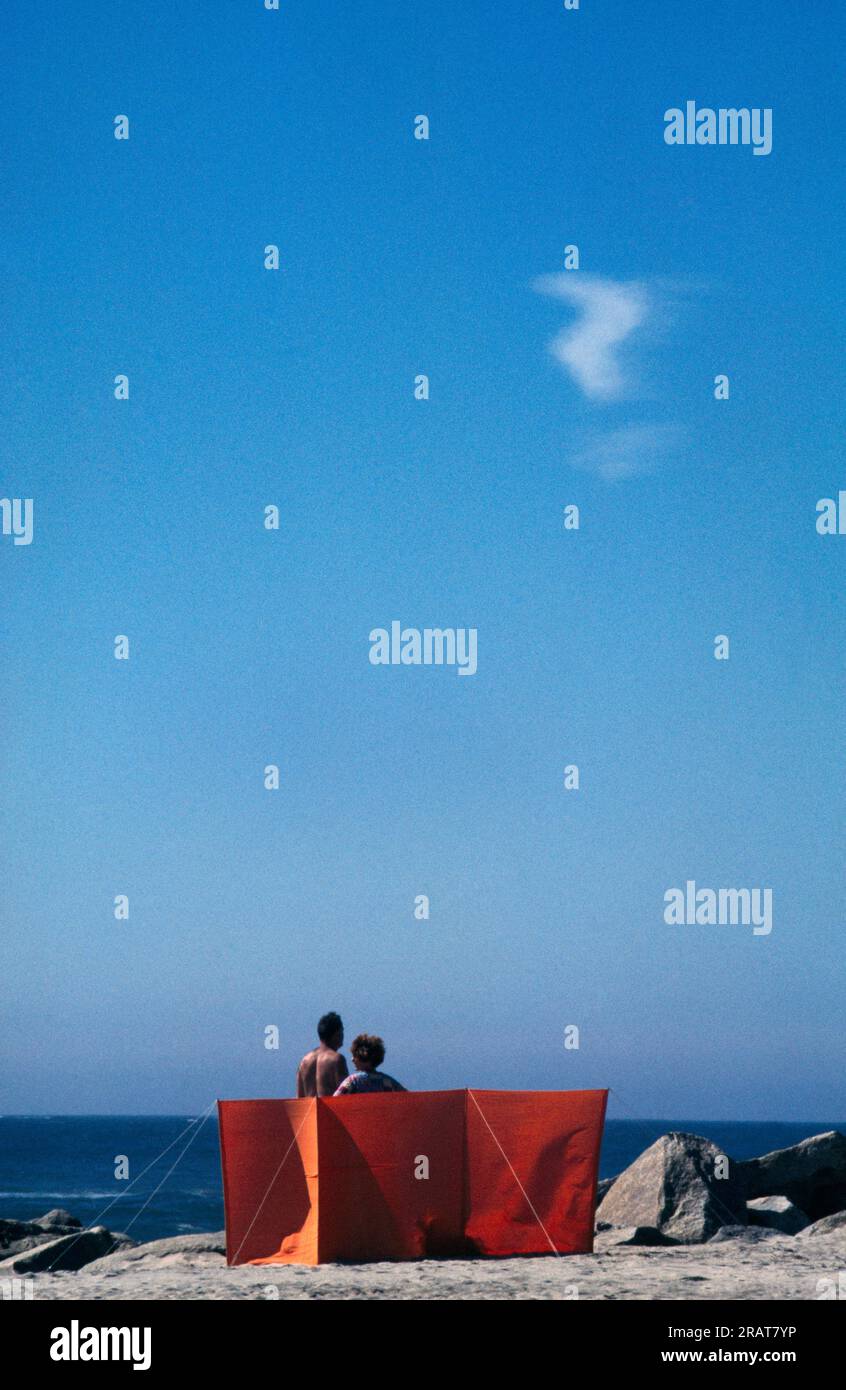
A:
[321,1072]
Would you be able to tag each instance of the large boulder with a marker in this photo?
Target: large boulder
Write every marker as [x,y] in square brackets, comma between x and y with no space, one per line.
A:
[18,1247]
[204,1248]
[826,1226]
[778,1214]
[603,1187]
[58,1220]
[812,1174]
[19,1236]
[12,1231]
[673,1187]
[67,1252]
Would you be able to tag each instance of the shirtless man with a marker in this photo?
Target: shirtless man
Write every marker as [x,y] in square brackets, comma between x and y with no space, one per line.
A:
[322,1070]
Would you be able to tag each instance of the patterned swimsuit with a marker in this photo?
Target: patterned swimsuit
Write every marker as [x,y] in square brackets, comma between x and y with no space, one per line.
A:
[360,1082]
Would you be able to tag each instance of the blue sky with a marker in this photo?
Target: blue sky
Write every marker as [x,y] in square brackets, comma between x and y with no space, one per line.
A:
[250,387]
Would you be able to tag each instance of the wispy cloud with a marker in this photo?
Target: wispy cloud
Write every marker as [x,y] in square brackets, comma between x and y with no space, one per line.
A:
[625,452]
[611,311]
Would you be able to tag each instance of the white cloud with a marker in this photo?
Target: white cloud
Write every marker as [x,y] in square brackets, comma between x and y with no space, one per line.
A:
[611,310]
[625,452]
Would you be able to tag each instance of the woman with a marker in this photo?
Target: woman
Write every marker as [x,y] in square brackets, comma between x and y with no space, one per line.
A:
[367,1053]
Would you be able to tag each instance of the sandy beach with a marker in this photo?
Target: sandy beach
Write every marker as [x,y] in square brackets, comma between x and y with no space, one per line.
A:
[778,1267]
[665,1229]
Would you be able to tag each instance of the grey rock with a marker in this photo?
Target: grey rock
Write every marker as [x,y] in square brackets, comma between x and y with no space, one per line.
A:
[672,1187]
[603,1187]
[11,1230]
[777,1213]
[749,1234]
[16,1236]
[67,1252]
[17,1247]
[171,1250]
[58,1220]
[812,1174]
[825,1226]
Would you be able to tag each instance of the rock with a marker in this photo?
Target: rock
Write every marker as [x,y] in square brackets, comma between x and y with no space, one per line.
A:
[171,1250]
[825,1226]
[812,1174]
[16,1236]
[603,1226]
[66,1252]
[11,1231]
[18,1247]
[672,1187]
[603,1188]
[58,1220]
[777,1213]
[750,1234]
[641,1235]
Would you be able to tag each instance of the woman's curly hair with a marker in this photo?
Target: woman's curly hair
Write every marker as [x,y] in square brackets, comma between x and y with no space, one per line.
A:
[368,1048]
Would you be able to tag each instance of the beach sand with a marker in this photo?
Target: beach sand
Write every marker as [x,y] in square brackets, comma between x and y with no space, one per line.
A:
[780,1267]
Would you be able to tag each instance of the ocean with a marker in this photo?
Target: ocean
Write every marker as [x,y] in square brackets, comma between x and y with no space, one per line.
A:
[69,1161]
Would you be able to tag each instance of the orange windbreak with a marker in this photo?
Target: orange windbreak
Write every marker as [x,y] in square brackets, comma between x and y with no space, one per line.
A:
[405,1176]
[532,1166]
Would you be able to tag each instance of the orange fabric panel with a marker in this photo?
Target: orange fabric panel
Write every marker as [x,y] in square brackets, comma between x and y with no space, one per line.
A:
[532,1167]
[313,1181]
[269,1159]
[372,1206]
